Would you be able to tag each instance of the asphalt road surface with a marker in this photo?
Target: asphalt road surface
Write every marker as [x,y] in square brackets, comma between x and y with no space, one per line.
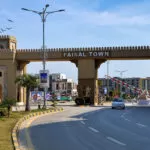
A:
[93,128]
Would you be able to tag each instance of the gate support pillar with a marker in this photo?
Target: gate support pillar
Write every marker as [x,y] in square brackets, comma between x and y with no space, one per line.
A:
[21,90]
[87,79]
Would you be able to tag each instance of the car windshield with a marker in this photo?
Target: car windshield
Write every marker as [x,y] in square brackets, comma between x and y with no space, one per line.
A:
[118,100]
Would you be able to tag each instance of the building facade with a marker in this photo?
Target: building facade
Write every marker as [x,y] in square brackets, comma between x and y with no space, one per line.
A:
[106,85]
[60,85]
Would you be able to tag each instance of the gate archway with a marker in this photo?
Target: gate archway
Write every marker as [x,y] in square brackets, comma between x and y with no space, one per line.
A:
[87,60]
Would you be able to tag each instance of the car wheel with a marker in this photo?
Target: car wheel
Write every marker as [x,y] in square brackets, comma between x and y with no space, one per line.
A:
[112,107]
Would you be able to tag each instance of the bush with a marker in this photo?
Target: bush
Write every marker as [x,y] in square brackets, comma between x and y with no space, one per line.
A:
[79,101]
[108,98]
[87,100]
[83,101]
[3,111]
[54,103]
[8,102]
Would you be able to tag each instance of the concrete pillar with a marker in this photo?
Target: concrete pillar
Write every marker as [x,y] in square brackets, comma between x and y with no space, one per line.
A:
[22,70]
[9,86]
[24,89]
[97,65]
[87,79]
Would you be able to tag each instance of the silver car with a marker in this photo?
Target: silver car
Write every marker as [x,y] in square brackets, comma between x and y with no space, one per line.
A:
[118,103]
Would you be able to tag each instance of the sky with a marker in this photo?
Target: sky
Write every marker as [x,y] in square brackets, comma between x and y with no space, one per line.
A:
[85,23]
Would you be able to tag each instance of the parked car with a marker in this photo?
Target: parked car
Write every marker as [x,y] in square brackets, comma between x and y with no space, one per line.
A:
[118,103]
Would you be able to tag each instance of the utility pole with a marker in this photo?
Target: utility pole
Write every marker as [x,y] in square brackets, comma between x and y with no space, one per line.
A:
[121,74]
[107,77]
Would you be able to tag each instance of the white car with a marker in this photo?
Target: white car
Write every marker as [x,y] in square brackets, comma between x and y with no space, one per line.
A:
[118,103]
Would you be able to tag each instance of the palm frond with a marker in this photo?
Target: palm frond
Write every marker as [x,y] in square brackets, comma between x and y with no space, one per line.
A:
[27,80]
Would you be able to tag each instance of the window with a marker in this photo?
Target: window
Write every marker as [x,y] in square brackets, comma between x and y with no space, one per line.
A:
[63,86]
[1,47]
[117,100]
[57,86]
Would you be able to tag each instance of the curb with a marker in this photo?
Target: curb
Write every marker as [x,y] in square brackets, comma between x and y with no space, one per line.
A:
[15,130]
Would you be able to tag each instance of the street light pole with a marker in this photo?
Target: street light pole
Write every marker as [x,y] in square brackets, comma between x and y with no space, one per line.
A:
[43,14]
[107,77]
[121,73]
[44,59]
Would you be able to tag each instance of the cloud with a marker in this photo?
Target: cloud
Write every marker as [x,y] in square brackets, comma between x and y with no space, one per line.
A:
[84,23]
[113,19]
[123,16]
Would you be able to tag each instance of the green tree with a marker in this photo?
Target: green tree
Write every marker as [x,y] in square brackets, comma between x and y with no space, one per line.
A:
[28,81]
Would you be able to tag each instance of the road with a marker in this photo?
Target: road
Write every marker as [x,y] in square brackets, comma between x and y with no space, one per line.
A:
[93,128]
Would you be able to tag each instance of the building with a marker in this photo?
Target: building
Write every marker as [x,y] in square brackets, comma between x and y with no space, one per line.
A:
[139,83]
[60,85]
[145,83]
[56,76]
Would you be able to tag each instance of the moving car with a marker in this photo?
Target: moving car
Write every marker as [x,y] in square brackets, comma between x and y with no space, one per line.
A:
[118,103]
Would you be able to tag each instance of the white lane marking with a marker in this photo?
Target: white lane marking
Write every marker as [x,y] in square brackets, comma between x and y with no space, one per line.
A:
[116,141]
[82,122]
[94,130]
[141,125]
[122,116]
[127,119]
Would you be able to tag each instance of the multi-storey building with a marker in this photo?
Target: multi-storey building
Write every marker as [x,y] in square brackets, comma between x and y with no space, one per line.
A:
[145,83]
[141,83]
[55,77]
[60,85]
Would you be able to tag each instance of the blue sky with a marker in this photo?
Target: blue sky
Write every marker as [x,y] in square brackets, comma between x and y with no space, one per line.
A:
[85,23]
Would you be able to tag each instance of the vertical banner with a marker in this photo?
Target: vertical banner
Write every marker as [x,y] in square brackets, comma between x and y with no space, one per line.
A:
[44,78]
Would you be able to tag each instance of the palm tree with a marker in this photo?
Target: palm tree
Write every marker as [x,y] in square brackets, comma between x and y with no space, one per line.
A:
[28,81]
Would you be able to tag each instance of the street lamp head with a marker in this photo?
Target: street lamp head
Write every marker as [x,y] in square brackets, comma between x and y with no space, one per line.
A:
[25,9]
[47,5]
[61,10]
[121,70]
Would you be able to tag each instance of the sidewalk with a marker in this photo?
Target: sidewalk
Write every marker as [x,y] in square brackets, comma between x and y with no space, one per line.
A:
[32,107]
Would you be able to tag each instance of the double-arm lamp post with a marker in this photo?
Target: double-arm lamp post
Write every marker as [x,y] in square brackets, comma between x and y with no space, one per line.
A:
[43,14]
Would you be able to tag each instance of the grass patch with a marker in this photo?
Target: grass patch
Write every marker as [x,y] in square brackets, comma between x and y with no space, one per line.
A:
[6,126]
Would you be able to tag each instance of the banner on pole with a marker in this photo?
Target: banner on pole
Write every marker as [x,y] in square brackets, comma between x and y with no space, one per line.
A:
[44,78]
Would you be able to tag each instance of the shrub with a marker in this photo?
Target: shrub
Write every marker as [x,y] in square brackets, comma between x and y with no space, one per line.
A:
[8,103]
[54,103]
[3,111]
[87,100]
[108,98]
[79,101]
